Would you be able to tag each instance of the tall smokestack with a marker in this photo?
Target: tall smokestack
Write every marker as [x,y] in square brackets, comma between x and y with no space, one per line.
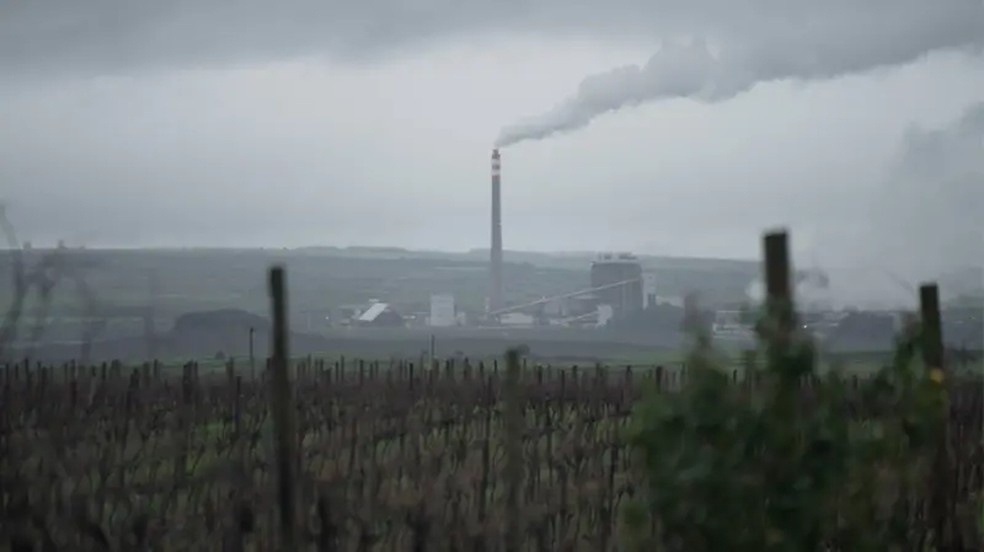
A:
[495,294]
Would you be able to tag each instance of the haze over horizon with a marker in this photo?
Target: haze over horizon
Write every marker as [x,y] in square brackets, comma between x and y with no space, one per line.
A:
[663,127]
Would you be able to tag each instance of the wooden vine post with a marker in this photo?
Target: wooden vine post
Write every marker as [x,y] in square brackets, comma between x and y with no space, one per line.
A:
[932,350]
[283,411]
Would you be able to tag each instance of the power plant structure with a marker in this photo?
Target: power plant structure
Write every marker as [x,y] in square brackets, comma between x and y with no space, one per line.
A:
[495,261]
[616,284]
[617,290]
[611,268]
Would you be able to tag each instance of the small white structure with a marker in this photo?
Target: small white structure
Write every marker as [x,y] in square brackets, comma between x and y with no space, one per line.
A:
[372,312]
[516,319]
[442,311]
[380,314]
[648,290]
[674,300]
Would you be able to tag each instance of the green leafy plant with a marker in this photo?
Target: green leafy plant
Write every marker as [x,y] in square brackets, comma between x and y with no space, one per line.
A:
[788,460]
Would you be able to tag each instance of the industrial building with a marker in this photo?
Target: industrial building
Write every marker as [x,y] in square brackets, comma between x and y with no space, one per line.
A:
[615,292]
[617,288]
[442,311]
[380,315]
[618,279]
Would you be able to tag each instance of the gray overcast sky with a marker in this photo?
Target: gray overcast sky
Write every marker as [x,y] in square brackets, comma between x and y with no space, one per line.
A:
[317,122]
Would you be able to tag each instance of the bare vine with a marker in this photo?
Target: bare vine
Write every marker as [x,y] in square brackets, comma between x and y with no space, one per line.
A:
[41,281]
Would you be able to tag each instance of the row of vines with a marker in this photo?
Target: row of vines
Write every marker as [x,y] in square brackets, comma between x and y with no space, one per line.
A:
[389,458]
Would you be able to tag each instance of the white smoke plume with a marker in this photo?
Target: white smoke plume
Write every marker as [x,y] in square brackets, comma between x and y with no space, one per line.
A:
[927,218]
[924,222]
[810,50]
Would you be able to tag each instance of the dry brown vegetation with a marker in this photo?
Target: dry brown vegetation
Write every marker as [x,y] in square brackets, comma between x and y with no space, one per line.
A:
[391,457]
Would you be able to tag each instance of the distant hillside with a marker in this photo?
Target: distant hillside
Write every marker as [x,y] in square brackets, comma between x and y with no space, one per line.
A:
[173,282]
[565,259]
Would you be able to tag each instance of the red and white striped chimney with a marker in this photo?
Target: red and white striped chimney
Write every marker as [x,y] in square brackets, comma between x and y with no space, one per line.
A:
[495,293]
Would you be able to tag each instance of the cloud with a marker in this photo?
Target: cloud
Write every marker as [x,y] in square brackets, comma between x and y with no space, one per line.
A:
[210,147]
[58,37]
[930,213]
[826,47]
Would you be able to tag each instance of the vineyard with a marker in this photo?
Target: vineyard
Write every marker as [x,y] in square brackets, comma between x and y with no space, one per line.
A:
[316,454]
[390,457]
